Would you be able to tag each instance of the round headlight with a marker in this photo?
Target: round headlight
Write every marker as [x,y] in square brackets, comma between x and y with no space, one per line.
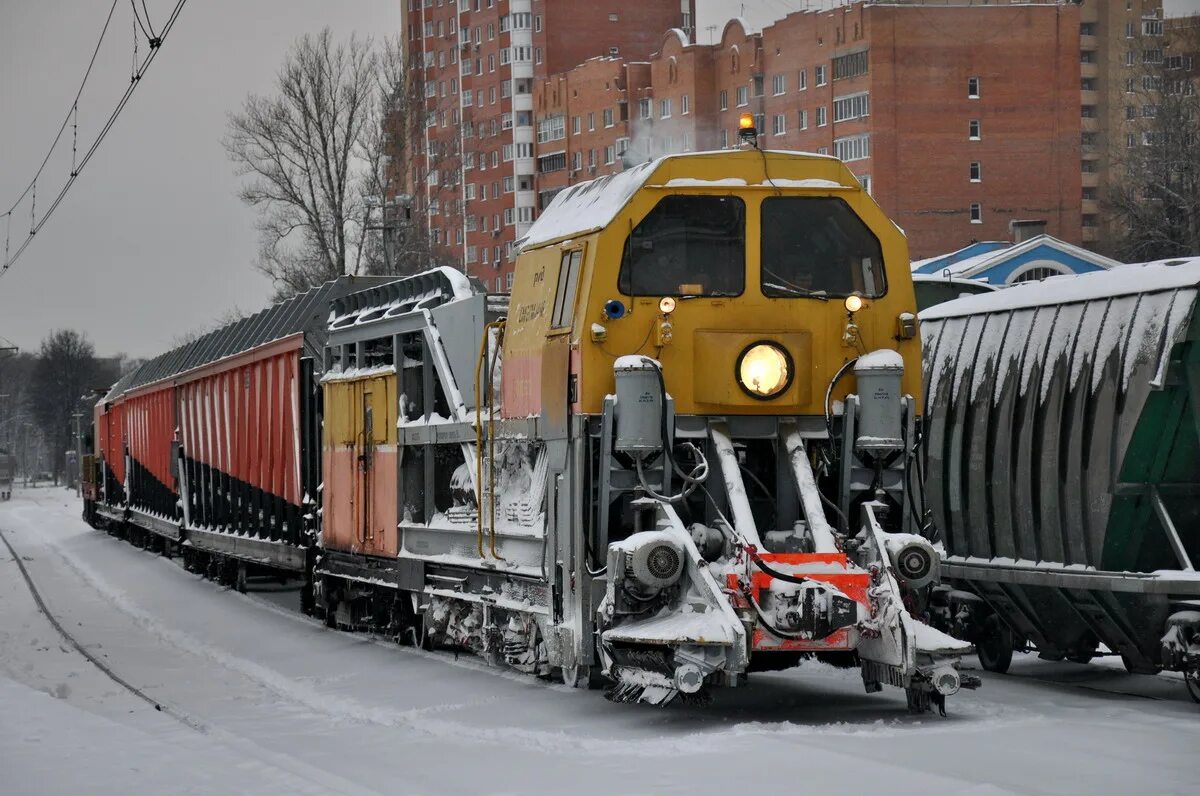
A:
[666,305]
[854,303]
[764,370]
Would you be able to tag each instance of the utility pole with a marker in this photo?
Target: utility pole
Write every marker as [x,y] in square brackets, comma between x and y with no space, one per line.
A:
[78,455]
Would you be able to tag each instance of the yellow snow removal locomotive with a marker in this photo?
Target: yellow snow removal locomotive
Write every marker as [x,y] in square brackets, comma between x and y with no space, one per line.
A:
[683,450]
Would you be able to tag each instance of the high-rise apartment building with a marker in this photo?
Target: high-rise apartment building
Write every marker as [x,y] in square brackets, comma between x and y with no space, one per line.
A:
[476,62]
[1120,42]
[959,119]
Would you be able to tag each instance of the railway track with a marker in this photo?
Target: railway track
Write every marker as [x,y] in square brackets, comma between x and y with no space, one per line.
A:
[104,668]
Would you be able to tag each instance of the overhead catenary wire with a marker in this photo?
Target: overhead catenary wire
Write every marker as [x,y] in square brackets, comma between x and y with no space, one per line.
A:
[82,84]
[91,150]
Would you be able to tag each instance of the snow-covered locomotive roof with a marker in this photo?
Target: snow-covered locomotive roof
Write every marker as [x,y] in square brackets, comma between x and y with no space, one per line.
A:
[589,206]
[1123,280]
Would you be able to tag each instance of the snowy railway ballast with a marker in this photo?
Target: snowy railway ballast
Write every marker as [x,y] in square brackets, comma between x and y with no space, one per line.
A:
[680,452]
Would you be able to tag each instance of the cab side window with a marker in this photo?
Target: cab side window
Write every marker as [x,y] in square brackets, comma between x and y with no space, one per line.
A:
[568,283]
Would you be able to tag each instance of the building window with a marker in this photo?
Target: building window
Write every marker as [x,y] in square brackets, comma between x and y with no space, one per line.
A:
[845,66]
[685,106]
[554,162]
[576,125]
[820,74]
[853,106]
[973,130]
[821,116]
[552,128]
[802,80]
[644,108]
[779,126]
[1038,274]
[743,96]
[865,181]
[1087,29]
[591,122]
[1088,111]
[972,88]
[1087,57]
[1088,84]
[1152,56]
[1089,220]
[757,82]
[851,148]
[664,109]
[1129,30]
[608,117]
[723,100]
[778,84]
[1089,194]
[1130,58]
[976,213]
[802,120]
[1152,27]
[610,155]
[724,139]
[976,171]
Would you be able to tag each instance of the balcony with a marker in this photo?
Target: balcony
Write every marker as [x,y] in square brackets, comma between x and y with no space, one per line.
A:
[1089,42]
[1089,70]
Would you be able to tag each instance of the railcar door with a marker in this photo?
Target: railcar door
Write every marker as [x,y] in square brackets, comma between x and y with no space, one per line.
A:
[375,467]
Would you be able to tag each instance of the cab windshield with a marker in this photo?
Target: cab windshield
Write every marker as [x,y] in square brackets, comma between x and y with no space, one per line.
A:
[687,246]
[818,246]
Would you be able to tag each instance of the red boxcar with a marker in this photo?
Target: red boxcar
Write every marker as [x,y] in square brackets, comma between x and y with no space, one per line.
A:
[215,446]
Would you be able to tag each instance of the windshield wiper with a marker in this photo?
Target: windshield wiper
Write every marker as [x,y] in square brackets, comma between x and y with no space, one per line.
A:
[799,292]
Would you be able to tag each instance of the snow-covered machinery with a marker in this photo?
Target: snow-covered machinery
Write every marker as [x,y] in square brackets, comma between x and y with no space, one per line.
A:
[681,452]
[1063,454]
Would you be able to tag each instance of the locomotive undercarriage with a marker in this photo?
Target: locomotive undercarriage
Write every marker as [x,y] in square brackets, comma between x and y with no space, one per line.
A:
[704,631]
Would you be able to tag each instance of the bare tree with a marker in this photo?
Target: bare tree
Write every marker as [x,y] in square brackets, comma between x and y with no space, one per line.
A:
[1154,199]
[65,372]
[315,155]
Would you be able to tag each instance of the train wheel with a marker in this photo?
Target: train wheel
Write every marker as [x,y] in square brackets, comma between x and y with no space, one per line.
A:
[995,645]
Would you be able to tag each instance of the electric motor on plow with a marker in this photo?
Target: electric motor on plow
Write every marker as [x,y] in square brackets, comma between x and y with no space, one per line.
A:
[1063,454]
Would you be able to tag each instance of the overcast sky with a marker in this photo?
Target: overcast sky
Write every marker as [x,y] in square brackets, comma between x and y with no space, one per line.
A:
[152,241]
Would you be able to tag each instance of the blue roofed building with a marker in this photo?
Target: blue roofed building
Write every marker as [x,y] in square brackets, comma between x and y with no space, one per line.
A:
[1000,263]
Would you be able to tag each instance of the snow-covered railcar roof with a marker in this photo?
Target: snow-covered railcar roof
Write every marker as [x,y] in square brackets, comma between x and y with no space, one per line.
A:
[305,312]
[1122,280]
[589,206]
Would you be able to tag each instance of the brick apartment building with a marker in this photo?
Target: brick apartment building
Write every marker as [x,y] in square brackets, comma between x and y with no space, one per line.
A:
[478,61]
[959,119]
[1118,41]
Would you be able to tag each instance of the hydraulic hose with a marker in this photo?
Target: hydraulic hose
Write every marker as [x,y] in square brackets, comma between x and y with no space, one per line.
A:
[699,473]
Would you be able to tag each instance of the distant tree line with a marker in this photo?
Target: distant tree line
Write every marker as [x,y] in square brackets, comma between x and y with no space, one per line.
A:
[41,392]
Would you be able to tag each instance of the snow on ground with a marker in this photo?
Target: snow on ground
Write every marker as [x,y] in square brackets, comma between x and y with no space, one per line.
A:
[260,699]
